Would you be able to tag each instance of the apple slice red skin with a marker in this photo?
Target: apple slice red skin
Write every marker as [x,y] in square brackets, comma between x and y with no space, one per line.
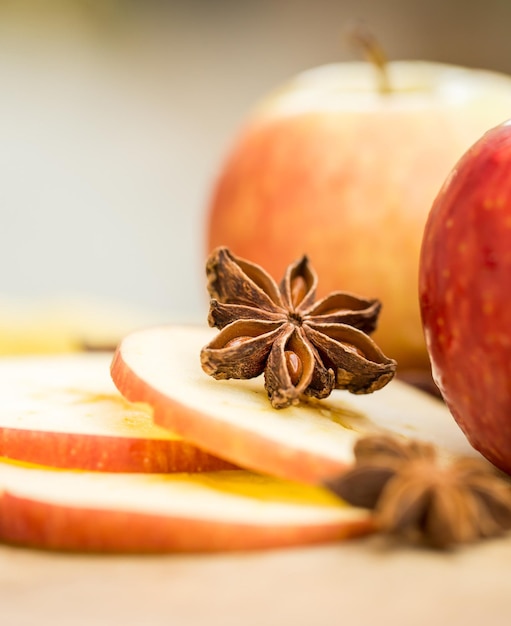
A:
[106,454]
[259,453]
[32,523]
[465,297]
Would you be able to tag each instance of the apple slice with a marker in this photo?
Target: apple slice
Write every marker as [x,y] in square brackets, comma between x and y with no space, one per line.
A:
[310,442]
[233,510]
[65,411]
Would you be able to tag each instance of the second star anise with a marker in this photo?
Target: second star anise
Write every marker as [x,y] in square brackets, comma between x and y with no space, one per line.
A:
[302,346]
[419,497]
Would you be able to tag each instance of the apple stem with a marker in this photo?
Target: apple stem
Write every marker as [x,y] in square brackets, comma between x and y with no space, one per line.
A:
[364,40]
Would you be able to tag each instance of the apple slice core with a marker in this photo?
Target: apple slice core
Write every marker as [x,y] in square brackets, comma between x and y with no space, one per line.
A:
[233,419]
[64,411]
[232,510]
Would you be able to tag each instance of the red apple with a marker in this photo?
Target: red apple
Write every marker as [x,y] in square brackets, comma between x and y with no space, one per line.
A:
[64,411]
[329,167]
[310,442]
[465,294]
[235,510]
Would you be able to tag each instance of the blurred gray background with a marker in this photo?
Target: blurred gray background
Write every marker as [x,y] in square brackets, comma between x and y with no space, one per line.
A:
[115,117]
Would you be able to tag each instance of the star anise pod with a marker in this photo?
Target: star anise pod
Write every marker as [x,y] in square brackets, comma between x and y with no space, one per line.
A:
[418,496]
[302,346]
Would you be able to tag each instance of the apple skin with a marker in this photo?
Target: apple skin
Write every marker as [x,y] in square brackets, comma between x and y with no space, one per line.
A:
[465,298]
[106,454]
[349,181]
[55,527]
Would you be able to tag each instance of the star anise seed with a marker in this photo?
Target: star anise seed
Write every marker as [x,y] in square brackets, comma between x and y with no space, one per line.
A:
[302,346]
[417,497]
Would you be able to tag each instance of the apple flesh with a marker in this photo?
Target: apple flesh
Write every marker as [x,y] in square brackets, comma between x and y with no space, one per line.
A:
[329,167]
[66,324]
[465,298]
[64,411]
[311,442]
[236,510]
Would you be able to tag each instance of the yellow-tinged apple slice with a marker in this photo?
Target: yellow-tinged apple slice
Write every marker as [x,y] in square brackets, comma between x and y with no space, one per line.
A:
[232,510]
[64,411]
[57,325]
[234,418]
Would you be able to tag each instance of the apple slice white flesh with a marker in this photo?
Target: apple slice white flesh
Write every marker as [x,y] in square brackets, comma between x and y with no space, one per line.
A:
[310,442]
[64,411]
[114,512]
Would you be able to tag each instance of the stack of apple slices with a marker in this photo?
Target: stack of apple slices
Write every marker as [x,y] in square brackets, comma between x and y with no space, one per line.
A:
[158,467]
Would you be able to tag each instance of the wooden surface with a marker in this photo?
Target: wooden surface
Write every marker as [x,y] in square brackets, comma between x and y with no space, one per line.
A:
[355,583]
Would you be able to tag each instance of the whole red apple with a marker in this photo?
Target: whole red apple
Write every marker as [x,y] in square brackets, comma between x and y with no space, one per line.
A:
[465,294]
[330,167]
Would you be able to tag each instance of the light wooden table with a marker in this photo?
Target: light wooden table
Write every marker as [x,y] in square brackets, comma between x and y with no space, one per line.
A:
[354,583]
